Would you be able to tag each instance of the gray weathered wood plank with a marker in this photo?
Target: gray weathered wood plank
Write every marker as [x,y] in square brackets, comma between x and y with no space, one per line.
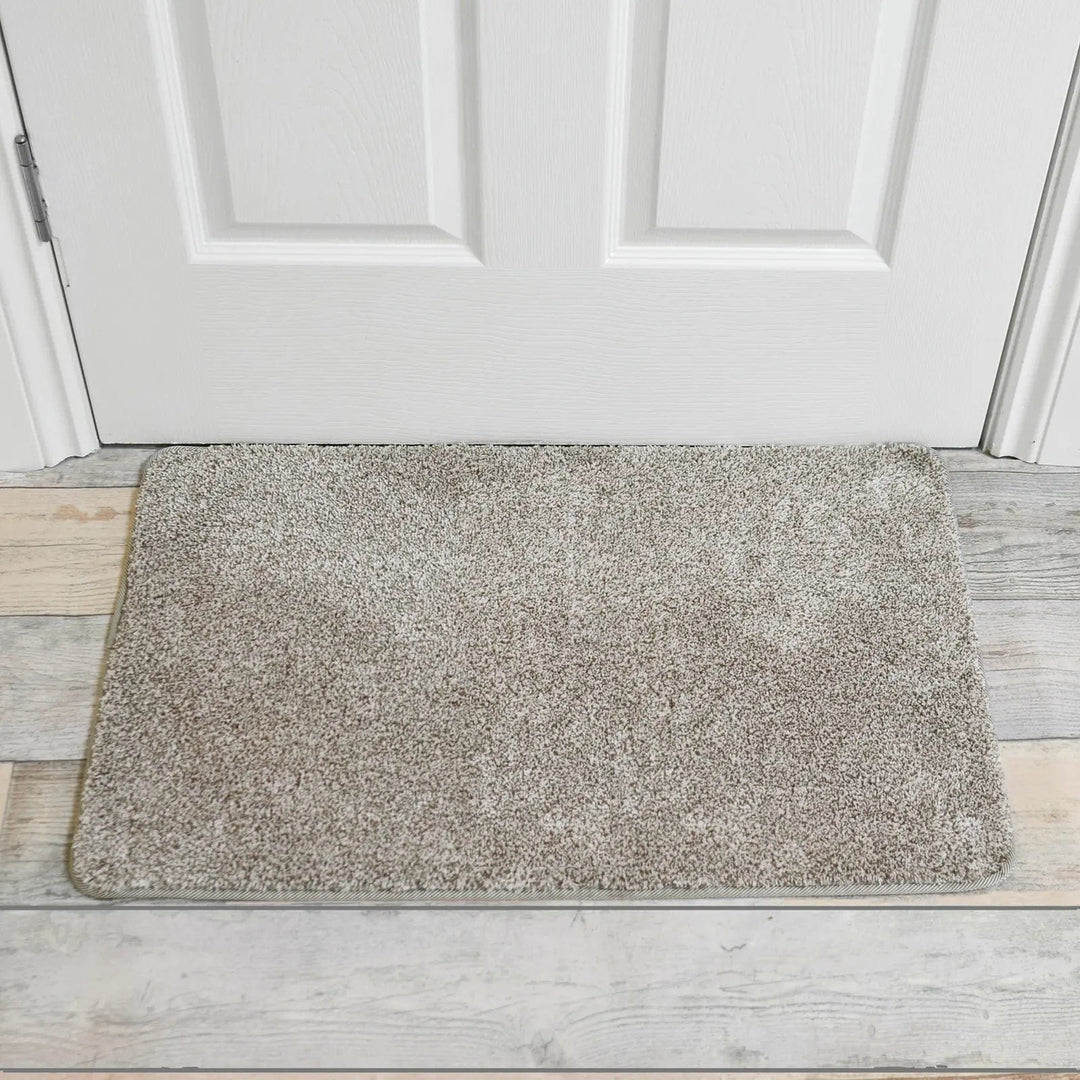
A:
[62,550]
[36,832]
[1020,534]
[971,460]
[50,667]
[1031,657]
[6,769]
[533,1074]
[438,989]
[1043,779]
[111,466]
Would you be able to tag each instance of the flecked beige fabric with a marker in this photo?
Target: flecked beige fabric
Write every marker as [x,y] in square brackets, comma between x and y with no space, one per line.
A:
[536,671]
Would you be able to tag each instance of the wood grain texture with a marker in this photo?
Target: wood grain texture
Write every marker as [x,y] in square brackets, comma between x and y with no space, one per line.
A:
[50,668]
[124,988]
[36,832]
[61,551]
[383,80]
[1020,534]
[5,787]
[1031,658]
[972,460]
[534,1074]
[762,113]
[1043,779]
[360,69]
[552,144]
[111,466]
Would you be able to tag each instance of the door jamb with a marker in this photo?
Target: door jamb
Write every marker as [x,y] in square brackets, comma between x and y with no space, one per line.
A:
[45,411]
[1043,333]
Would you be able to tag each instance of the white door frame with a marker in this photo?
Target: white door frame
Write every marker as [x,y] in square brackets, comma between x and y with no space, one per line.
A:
[45,413]
[1034,412]
[44,410]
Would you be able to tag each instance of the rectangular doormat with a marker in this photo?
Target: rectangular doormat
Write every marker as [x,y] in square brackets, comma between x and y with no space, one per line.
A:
[461,672]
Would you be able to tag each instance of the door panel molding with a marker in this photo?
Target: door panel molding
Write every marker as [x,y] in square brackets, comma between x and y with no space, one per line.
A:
[423,205]
[44,411]
[856,227]
[1034,412]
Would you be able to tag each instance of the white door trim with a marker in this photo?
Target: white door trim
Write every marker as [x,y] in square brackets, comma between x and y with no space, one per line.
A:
[1027,414]
[44,410]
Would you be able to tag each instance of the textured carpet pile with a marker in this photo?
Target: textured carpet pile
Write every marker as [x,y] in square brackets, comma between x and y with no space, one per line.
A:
[365,672]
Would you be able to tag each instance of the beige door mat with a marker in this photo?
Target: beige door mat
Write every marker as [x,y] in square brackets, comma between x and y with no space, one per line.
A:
[541,672]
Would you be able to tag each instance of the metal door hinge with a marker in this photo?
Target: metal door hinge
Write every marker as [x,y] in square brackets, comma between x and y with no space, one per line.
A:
[38,209]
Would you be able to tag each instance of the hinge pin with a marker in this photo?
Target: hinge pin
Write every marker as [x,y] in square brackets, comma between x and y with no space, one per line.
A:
[38,210]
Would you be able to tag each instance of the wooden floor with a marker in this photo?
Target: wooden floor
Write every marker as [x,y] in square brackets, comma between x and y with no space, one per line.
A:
[969,981]
[536,1074]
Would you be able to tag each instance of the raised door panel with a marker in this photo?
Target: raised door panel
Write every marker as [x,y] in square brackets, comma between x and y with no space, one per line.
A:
[758,131]
[762,113]
[322,111]
[343,126]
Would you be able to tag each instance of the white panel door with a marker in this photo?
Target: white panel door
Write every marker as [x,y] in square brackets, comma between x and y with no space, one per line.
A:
[553,220]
